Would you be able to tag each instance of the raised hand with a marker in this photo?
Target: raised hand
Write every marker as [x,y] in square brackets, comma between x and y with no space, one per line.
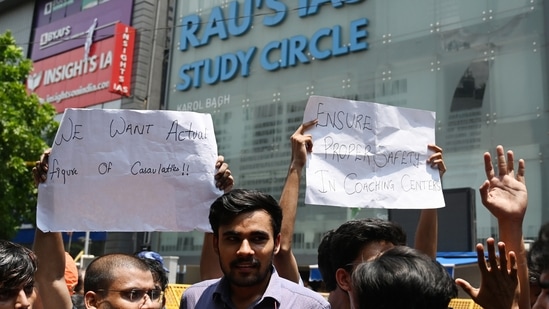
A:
[301,144]
[498,285]
[223,177]
[40,171]
[504,194]
[436,159]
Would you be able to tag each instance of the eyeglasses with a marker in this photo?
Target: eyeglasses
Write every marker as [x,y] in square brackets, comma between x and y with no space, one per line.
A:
[135,295]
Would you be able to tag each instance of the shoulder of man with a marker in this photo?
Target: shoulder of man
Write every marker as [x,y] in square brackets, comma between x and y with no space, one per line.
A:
[193,293]
[292,294]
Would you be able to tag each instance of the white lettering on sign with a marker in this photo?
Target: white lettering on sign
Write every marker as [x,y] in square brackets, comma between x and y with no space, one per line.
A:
[120,86]
[213,102]
[77,68]
[56,5]
[47,37]
[71,93]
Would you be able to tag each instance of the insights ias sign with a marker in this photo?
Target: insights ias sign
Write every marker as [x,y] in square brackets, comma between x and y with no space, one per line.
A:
[74,79]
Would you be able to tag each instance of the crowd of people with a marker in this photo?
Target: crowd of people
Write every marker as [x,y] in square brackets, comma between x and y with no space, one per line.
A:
[247,259]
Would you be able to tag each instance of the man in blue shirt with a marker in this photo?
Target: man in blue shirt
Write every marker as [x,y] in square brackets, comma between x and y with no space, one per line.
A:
[246,226]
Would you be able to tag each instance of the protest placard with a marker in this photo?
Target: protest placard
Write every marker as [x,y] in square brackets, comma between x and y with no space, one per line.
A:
[370,155]
[127,170]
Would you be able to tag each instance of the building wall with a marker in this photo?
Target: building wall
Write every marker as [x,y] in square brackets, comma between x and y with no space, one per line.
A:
[155,18]
[15,16]
[481,65]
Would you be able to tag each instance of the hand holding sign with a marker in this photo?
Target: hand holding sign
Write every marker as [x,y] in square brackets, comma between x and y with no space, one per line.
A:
[122,170]
[371,155]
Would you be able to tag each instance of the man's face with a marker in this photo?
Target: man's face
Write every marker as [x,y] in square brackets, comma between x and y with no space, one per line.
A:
[542,301]
[118,294]
[246,247]
[22,297]
[368,253]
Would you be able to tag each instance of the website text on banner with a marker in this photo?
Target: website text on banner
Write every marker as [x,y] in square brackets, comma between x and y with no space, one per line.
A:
[370,155]
[125,170]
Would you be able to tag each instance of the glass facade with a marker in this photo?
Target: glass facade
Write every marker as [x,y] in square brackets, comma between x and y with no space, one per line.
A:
[481,65]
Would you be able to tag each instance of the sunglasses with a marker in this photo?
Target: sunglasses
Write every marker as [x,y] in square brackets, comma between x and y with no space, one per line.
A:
[135,295]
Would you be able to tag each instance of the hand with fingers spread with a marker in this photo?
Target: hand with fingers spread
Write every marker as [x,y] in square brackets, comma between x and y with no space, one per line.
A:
[498,284]
[504,194]
[223,178]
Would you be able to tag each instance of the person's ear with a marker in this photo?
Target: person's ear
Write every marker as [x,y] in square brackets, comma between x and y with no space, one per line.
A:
[215,244]
[91,299]
[343,279]
[277,244]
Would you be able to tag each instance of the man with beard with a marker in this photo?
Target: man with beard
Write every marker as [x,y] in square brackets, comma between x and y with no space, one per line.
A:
[246,226]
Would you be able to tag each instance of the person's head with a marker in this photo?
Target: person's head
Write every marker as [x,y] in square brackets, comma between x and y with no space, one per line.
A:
[538,263]
[156,265]
[239,201]
[402,277]
[534,272]
[120,281]
[158,270]
[246,226]
[17,267]
[79,287]
[324,262]
[71,273]
[352,242]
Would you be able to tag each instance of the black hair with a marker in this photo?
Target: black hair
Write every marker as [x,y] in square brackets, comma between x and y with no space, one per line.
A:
[402,277]
[324,263]
[238,201]
[538,255]
[158,272]
[342,246]
[17,266]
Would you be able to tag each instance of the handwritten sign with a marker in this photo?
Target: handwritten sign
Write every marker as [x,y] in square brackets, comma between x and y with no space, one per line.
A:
[370,155]
[125,170]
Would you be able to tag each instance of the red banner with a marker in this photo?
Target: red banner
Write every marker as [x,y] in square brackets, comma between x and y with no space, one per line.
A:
[74,78]
[124,39]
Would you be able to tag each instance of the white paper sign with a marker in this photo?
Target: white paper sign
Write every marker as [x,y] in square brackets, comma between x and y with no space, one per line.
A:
[370,155]
[126,170]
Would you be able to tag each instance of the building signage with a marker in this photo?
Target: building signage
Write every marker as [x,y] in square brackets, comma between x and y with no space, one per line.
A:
[73,80]
[198,30]
[124,40]
[72,32]
[48,11]
[52,6]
